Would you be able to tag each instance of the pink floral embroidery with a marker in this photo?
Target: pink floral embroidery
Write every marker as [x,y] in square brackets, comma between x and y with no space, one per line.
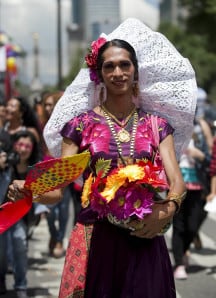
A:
[98,136]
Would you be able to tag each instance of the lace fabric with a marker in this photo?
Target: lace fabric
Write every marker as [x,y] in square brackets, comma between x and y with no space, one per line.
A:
[166,81]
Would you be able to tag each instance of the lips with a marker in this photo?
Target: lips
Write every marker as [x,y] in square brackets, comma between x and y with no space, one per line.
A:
[118,83]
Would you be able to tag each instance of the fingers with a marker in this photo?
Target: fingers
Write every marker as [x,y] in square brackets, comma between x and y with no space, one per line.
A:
[17,191]
[141,229]
[144,232]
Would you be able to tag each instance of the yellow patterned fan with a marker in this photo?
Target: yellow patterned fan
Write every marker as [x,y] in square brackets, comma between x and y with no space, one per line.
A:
[55,173]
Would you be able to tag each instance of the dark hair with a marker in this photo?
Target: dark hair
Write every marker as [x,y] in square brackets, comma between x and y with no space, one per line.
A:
[120,44]
[36,154]
[28,115]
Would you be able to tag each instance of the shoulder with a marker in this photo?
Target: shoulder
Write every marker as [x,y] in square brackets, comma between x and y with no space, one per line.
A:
[152,118]
[84,118]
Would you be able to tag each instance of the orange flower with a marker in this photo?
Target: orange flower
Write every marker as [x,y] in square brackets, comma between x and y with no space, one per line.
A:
[112,185]
[129,173]
[86,191]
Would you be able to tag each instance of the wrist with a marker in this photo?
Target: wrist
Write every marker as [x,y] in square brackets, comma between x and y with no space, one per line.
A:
[176,199]
[173,206]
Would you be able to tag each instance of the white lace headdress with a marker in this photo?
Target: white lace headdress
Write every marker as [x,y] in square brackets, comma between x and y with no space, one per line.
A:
[166,81]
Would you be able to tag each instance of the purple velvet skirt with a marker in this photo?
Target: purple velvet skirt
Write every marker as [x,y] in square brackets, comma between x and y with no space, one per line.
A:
[124,266]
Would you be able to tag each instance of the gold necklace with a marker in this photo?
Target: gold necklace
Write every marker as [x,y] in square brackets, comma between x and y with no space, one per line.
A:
[119,136]
[122,123]
[123,135]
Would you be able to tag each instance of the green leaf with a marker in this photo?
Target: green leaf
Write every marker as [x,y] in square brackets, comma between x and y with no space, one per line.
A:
[103,166]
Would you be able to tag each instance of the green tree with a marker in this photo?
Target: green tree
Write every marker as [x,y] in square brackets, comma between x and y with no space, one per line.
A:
[202,19]
[195,41]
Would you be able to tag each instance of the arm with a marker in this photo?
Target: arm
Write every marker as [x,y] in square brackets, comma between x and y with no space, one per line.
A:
[213,174]
[207,133]
[163,213]
[213,189]
[17,190]
[195,153]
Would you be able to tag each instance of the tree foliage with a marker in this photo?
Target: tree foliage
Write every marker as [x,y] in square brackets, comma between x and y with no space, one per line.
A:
[202,19]
[196,41]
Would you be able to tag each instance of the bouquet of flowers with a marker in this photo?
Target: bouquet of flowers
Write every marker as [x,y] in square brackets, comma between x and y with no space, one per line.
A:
[127,191]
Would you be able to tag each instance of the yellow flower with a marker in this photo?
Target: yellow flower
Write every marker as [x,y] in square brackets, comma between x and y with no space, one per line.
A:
[132,173]
[115,181]
[86,191]
[112,185]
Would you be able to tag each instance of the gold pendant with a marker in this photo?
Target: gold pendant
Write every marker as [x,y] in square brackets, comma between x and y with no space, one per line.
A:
[123,136]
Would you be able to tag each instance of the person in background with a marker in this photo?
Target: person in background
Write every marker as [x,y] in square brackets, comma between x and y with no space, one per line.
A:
[15,238]
[20,116]
[194,167]
[5,179]
[48,102]
[212,173]
[57,218]
[203,141]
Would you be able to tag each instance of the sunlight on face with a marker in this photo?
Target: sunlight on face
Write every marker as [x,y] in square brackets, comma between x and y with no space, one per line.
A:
[117,70]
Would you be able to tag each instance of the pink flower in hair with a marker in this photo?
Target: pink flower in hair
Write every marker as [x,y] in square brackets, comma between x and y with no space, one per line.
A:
[91,58]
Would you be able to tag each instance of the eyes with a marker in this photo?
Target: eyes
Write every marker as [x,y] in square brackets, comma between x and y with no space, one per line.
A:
[110,66]
[19,145]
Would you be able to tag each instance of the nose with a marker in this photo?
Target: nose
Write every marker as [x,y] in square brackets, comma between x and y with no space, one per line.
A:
[117,71]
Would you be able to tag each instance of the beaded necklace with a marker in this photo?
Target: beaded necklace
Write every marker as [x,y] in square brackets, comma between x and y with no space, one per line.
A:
[123,134]
[119,136]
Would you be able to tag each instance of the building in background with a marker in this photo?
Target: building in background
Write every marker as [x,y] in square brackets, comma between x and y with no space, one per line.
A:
[146,11]
[172,12]
[91,17]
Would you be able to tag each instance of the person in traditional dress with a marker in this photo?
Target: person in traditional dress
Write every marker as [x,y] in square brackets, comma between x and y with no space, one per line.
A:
[103,259]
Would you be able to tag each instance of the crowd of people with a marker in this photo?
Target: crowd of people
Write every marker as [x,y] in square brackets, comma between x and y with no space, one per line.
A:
[21,137]
[116,130]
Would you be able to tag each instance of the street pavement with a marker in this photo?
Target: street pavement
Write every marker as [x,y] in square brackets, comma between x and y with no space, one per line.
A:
[44,272]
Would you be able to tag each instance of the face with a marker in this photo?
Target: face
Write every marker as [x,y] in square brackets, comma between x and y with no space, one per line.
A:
[24,147]
[117,70]
[13,109]
[49,105]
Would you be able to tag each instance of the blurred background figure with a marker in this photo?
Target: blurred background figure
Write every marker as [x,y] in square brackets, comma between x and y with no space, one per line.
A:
[48,102]
[194,165]
[20,116]
[14,242]
[212,173]
[2,114]
[57,218]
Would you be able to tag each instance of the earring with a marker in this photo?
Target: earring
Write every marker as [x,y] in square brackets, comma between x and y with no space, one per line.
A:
[135,89]
[102,93]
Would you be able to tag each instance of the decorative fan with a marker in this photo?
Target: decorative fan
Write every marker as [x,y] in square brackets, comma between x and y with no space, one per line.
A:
[55,173]
[11,212]
[43,177]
